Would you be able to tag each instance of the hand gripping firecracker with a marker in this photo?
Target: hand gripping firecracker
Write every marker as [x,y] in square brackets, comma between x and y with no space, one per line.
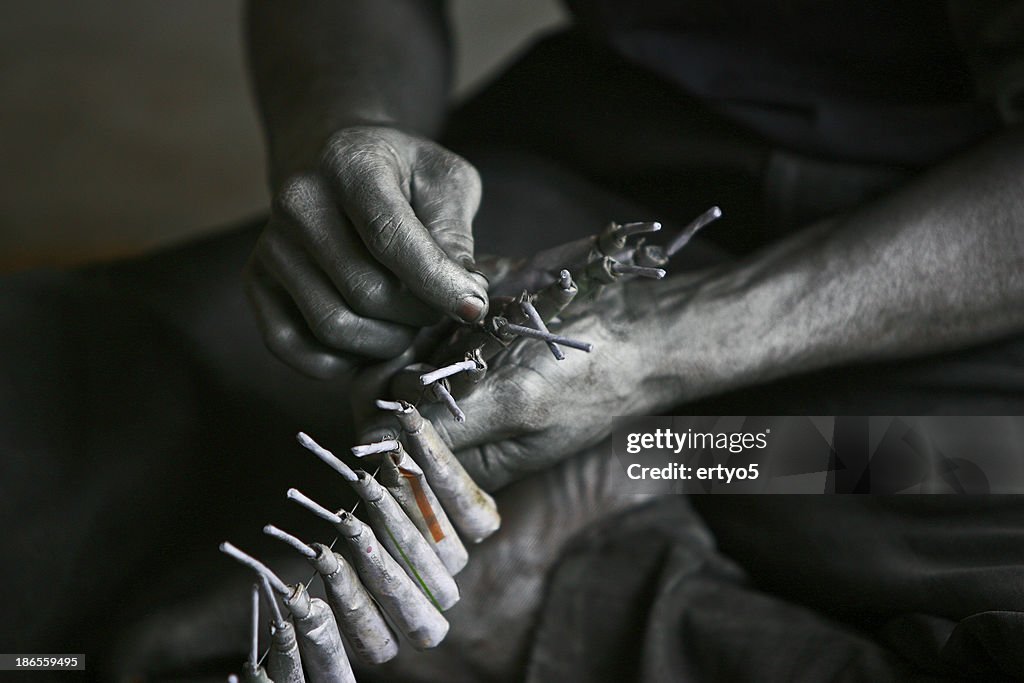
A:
[403,562]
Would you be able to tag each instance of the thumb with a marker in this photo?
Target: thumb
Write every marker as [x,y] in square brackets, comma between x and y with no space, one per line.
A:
[446,193]
[373,197]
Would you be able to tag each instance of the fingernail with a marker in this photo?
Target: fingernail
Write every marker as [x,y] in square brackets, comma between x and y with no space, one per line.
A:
[471,309]
[481,277]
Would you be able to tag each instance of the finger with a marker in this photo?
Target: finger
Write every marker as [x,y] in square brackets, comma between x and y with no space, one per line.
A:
[286,334]
[497,464]
[498,415]
[446,197]
[328,316]
[487,420]
[373,198]
[305,209]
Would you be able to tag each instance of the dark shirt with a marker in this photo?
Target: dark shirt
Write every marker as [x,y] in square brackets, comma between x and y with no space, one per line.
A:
[889,81]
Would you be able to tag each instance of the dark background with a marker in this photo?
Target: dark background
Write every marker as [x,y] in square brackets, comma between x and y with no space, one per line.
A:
[126,125]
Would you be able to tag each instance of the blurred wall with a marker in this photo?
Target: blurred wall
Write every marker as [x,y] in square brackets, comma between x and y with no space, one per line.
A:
[127,125]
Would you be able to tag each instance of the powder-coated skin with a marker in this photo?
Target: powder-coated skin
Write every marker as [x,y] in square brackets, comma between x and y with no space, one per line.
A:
[359,618]
[410,610]
[337,209]
[405,480]
[405,543]
[470,508]
[319,639]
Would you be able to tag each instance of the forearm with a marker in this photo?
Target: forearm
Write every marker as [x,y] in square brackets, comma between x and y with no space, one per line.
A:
[938,265]
[320,66]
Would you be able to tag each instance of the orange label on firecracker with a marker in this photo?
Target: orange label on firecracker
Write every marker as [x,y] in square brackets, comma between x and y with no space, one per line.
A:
[424,505]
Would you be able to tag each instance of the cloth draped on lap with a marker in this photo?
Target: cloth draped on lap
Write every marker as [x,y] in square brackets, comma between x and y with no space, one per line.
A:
[796,588]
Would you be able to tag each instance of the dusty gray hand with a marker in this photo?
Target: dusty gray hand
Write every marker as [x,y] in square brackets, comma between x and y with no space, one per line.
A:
[531,411]
[363,252]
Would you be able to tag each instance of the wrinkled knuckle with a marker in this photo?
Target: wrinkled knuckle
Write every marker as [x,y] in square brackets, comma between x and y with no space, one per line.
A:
[298,195]
[336,328]
[353,151]
[384,234]
[328,367]
[372,299]
[454,170]
[281,340]
[336,151]
[343,138]
[465,174]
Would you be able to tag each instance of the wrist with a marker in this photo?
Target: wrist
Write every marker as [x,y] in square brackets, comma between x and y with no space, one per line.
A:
[676,327]
[295,146]
[719,332]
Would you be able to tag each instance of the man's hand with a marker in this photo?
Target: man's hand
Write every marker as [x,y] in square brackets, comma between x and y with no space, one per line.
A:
[359,255]
[935,266]
[531,411]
